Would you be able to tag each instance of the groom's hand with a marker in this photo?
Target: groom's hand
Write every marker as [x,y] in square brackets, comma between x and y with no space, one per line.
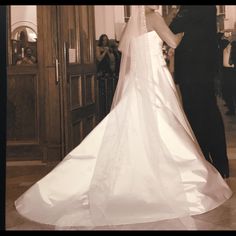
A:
[172,14]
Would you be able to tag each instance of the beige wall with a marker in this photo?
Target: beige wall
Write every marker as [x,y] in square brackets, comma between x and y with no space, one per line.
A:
[109,19]
[24,16]
[106,17]
[230,16]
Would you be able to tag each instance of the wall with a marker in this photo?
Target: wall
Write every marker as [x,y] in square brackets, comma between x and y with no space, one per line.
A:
[230,16]
[24,15]
[107,17]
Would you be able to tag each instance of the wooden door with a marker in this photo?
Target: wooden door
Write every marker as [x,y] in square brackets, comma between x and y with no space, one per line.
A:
[52,104]
[52,101]
[77,46]
[24,93]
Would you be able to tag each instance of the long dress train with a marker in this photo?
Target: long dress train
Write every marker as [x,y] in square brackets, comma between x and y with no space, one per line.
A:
[141,163]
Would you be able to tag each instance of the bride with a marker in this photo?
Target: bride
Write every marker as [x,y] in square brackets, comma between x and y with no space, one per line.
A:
[142,162]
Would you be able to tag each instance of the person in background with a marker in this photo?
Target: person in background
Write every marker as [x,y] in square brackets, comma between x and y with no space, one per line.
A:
[103,56]
[232,62]
[105,74]
[28,58]
[222,44]
[117,54]
[229,80]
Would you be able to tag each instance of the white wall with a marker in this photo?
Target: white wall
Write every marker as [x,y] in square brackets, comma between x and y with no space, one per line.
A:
[24,16]
[106,17]
[160,9]
[109,19]
[230,16]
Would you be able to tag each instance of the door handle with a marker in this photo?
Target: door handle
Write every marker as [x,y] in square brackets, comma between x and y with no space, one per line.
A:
[65,60]
[57,71]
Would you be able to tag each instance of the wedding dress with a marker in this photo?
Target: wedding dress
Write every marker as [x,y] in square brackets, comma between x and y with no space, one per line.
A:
[141,163]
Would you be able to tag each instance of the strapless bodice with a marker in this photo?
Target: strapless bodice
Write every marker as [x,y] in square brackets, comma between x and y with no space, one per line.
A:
[152,38]
[147,44]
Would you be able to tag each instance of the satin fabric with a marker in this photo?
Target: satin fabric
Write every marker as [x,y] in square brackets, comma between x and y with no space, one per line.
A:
[141,163]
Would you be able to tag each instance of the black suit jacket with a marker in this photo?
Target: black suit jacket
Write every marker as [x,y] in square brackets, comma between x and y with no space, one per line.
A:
[197,53]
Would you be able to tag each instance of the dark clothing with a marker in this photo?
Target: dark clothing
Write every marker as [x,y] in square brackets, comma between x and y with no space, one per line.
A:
[233,53]
[196,65]
[106,84]
[229,77]
[103,66]
[222,44]
[118,59]
[198,48]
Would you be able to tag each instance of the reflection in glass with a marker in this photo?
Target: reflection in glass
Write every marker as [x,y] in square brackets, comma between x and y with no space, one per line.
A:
[24,35]
[24,32]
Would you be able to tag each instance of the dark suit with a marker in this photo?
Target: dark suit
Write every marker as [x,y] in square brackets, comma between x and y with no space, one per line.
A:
[195,69]
[233,53]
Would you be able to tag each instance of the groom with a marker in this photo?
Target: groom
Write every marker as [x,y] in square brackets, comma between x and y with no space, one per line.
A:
[195,69]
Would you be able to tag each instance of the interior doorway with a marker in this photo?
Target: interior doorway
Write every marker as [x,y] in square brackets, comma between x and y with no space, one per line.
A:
[51,102]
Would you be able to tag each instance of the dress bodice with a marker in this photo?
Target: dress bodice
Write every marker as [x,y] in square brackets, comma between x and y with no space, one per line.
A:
[145,48]
[153,38]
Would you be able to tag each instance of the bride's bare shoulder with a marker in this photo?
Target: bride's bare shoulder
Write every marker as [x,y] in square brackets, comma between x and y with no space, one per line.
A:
[153,15]
[153,20]
[156,22]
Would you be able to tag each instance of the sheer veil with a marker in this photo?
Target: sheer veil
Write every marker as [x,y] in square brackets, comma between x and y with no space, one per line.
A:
[118,191]
[136,26]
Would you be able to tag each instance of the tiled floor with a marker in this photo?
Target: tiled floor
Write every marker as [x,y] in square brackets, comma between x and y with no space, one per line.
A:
[22,175]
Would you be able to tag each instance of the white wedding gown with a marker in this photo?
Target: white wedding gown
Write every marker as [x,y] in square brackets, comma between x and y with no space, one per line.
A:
[140,164]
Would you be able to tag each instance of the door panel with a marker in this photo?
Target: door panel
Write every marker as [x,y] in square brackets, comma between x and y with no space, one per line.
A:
[21,107]
[78,38]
